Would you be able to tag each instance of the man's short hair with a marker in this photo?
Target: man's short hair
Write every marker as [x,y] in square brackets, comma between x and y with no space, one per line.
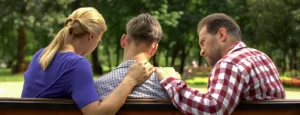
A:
[216,21]
[144,28]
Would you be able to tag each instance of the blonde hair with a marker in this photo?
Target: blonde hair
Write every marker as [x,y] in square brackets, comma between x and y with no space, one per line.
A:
[82,21]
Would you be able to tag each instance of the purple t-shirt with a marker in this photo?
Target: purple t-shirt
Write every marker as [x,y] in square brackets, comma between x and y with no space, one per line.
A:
[68,76]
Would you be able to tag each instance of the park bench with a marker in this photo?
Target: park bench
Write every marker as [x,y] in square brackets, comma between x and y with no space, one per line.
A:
[39,106]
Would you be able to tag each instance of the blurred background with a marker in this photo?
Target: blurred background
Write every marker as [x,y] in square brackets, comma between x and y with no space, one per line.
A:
[272,26]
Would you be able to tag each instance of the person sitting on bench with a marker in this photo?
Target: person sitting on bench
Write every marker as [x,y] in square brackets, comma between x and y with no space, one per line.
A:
[140,43]
[61,70]
[239,72]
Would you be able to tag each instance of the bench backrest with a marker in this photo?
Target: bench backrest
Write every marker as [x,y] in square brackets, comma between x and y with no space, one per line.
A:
[40,106]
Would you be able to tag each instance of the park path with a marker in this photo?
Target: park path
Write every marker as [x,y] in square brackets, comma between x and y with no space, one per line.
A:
[11,89]
[14,89]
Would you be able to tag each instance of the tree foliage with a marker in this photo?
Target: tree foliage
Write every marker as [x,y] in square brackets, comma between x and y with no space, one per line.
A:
[272,26]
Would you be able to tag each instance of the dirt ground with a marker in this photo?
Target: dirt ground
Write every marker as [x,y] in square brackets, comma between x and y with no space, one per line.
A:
[14,89]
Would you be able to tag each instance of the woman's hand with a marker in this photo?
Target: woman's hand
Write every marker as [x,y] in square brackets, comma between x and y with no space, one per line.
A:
[166,72]
[139,72]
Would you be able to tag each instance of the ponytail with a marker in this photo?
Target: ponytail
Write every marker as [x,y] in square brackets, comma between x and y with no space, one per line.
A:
[80,22]
[49,52]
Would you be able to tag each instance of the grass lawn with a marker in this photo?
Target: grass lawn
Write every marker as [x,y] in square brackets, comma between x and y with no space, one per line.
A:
[12,78]
[292,88]
[6,76]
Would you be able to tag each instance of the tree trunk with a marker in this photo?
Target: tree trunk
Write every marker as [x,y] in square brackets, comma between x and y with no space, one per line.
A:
[200,60]
[284,62]
[294,61]
[20,66]
[118,49]
[174,55]
[95,62]
[154,62]
[20,55]
[5,36]
[290,60]
[109,58]
[167,58]
[182,59]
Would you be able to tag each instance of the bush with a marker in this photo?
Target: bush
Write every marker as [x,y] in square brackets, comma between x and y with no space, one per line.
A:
[197,81]
[293,73]
[286,81]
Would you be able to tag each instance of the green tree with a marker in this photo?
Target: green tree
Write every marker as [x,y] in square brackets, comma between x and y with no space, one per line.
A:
[273,25]
[26,28]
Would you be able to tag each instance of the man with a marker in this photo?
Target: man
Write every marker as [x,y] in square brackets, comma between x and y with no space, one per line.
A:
[239,72]
[140,43]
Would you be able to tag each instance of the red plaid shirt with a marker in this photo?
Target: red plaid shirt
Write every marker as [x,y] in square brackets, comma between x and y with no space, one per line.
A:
[242,74]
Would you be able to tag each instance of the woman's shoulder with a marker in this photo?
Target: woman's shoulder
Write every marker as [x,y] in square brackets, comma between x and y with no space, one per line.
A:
[38,53]
[71,58]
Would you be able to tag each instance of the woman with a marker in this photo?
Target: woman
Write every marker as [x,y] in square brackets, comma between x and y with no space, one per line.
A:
[61,71]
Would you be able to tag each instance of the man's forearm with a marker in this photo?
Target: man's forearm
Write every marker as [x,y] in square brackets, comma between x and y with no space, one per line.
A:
[191,101]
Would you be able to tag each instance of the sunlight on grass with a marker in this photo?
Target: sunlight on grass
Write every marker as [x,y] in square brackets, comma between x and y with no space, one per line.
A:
[195,82]
[6,76]
[13,78]
[5,72]
[201,82]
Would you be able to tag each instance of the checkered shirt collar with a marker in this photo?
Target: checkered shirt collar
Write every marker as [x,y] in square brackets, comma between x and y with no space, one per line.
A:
[237,46]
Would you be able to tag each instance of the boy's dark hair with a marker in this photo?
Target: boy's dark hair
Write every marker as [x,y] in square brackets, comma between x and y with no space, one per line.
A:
[144,28]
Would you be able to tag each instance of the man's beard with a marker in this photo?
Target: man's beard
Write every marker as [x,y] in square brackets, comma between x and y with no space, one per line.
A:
[215,57]
[213,60]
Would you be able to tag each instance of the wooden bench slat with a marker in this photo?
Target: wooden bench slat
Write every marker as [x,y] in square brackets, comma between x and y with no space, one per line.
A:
[30,106]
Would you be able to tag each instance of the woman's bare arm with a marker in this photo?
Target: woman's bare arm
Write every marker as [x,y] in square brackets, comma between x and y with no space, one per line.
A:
[137,74]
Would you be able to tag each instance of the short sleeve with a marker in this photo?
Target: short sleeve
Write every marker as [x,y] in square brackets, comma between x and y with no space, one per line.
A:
[83,91]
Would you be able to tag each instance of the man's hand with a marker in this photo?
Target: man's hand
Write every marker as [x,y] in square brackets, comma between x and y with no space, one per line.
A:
[139,72]
[166,72]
